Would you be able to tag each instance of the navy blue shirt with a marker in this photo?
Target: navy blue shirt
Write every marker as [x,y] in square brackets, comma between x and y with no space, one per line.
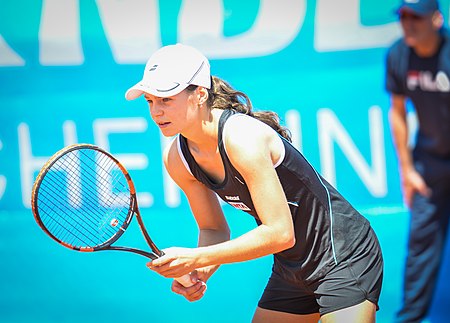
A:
[426,82]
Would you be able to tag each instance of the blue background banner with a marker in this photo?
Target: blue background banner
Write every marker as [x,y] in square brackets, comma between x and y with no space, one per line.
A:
[64,68]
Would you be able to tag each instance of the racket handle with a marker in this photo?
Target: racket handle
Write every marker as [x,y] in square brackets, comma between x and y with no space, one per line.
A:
[185,280]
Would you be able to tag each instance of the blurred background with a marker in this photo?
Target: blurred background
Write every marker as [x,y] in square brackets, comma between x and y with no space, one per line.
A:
[64,68]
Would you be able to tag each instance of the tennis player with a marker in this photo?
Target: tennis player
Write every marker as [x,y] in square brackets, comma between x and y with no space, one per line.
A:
[327,260]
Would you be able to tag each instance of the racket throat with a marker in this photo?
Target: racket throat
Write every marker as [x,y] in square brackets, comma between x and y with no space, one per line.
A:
[150,255]
[147,238]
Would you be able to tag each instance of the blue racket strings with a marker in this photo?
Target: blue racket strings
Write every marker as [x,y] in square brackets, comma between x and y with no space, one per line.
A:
[84,199]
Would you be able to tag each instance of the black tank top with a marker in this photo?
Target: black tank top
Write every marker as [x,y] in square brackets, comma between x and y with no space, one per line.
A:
[327,227]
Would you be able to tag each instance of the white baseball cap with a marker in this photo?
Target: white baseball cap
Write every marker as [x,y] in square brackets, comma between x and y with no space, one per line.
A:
[170,70]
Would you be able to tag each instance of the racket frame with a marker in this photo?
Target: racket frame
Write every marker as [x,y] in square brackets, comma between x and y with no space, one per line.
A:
[133,208]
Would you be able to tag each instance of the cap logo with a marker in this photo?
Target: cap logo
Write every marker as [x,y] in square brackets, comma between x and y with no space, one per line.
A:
[153,68]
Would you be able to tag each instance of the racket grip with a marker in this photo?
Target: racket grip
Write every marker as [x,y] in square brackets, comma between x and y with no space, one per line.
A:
[185,280]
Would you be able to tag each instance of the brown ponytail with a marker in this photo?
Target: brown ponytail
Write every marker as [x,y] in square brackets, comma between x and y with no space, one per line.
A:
[223,96]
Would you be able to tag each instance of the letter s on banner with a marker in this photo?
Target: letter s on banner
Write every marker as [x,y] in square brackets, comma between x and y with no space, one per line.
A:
[277,24]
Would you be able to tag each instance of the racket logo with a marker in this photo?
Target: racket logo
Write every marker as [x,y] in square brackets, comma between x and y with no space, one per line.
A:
[114,222]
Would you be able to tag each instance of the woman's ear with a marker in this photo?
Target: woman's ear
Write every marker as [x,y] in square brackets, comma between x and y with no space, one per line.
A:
[202,95]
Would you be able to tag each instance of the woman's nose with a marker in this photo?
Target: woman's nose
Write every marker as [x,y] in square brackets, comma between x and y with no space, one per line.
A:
[155,109]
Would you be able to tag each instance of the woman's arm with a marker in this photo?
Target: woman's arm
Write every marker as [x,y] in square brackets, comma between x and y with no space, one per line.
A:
[253,148]
[204,204]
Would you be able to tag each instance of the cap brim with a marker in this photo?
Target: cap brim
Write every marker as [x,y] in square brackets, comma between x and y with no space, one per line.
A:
[165,91]
[133,93]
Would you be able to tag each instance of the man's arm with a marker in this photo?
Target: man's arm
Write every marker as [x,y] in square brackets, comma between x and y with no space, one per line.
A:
[411,181]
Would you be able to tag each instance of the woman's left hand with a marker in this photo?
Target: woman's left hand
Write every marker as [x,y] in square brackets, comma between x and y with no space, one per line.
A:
[176,262]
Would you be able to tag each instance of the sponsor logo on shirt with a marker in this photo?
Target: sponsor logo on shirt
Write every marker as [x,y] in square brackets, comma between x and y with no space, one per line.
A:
[240,206]
[425,81]
[232,198]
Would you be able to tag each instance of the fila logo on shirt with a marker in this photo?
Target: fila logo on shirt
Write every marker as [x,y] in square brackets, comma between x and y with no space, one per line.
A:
[424,81]
[237,205]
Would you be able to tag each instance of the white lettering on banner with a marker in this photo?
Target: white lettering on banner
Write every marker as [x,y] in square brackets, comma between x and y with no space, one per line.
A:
[59,33]
[276,26]
[70,132]
[133,31]
[30,164]
[413,125]
[132,28]
[338,27]
[331,131]
[104,127]
[8,57]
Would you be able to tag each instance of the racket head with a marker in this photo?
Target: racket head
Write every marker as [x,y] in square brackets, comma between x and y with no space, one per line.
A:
[83,198]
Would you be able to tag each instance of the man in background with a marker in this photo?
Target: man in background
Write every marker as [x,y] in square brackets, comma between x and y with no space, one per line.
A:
[418,71]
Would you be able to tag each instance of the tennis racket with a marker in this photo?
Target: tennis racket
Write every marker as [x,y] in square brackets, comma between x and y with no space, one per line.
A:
[84,199]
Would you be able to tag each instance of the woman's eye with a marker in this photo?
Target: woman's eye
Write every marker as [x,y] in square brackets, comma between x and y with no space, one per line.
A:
[165,100]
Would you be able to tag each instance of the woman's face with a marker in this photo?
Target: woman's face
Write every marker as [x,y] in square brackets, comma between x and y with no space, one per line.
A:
[174,114]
